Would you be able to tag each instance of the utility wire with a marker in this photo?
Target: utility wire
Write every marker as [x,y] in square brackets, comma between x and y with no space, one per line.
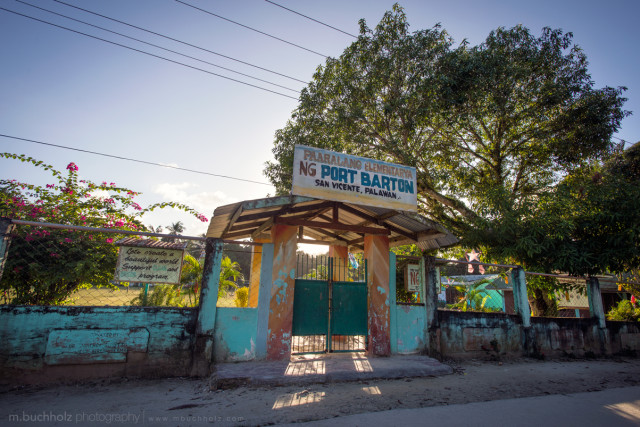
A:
[250,28]
[150,54]
[159,47]
[182,42]
[133,160]
[310,18]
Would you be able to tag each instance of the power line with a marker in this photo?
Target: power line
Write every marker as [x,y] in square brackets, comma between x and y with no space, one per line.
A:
[133,160]
[250,28]
[182,42]
[150,54]
[310,18]
[157,46]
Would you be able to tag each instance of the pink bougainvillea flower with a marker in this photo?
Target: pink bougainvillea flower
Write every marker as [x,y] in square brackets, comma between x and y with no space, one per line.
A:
[50,186]
[68,240]
[72,167]
[633,299]
[109,240]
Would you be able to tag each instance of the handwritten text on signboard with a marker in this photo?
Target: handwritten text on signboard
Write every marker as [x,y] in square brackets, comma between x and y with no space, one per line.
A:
[149,265]
[342,177]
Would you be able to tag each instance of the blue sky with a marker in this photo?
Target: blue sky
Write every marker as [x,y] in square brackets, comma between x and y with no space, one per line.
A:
[68,89]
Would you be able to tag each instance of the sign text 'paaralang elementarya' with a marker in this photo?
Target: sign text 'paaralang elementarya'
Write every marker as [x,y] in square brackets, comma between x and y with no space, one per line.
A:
[335,176]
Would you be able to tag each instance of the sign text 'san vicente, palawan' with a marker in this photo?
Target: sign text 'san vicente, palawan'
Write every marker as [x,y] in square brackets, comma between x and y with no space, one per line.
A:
[345,178]
[149,265]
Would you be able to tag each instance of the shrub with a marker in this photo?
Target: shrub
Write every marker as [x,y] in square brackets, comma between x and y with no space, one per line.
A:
[242,297]
[625,311]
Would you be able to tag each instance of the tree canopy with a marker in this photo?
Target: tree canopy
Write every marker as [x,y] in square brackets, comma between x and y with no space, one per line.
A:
[490,128]
[510,116]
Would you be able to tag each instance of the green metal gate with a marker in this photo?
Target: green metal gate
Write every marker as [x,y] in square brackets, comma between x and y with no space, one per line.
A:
[325,308]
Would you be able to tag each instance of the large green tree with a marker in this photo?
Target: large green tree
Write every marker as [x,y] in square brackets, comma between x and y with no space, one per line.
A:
[489,127]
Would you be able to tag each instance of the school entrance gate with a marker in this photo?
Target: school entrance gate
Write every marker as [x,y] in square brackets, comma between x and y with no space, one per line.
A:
[329,305]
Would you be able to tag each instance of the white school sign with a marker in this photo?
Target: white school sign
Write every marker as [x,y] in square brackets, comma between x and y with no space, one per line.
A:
[344,178]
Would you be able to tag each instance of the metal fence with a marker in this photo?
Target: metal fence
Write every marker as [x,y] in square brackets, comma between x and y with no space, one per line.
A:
[52,264]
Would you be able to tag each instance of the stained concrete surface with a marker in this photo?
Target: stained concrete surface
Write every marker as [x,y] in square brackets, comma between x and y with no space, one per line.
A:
[325,368]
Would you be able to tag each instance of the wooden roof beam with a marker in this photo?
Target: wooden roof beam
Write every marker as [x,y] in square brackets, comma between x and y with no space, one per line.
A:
[333,226]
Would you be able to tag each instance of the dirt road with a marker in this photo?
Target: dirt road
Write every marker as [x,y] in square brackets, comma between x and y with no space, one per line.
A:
[182,402]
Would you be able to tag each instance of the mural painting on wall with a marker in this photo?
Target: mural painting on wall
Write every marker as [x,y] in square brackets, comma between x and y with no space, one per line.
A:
[344,178]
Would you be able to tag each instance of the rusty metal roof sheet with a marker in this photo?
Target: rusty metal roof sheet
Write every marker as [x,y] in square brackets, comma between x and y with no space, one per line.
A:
[328,221]
[150,243]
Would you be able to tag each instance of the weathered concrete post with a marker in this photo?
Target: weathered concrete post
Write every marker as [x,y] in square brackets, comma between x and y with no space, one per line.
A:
[521,303]
[596,309]
[264,300]
[432,324]
[393,303]
[256,272]
[203,348]
[283,277]
[6,227]
[376,252]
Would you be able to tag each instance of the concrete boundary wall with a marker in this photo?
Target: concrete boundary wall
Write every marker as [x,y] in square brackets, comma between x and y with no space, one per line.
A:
[472,335]
[40,344]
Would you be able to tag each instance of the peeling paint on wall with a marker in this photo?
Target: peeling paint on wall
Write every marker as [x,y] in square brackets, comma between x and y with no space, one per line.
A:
[410,328]
[376,251]
[235,334]
[281,303]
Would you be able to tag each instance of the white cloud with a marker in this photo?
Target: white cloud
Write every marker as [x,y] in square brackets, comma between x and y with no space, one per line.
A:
[187,193]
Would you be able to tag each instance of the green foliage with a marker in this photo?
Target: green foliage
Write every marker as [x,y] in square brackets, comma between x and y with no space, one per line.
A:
[487,127]
[588,224]
[496,132]
[229,274]
[625,311]
[474,297]
[45,266]
[191,278]
[159,296]
[242,297]
[321,272]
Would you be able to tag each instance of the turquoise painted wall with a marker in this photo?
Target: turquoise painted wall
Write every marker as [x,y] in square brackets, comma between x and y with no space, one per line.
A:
[235,334]
[410,328]
[33,338]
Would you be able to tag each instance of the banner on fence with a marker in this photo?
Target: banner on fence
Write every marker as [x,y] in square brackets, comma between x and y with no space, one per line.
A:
[344,178]
[149,265]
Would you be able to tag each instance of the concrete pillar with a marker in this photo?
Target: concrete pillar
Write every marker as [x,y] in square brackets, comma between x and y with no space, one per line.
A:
[340,257]
[521,305]
[206,322]
[520,299]
[393,323]
[376,252]
[256,266]
[285,243]
[596,309]
[264,300]
[431,324]
[6,227]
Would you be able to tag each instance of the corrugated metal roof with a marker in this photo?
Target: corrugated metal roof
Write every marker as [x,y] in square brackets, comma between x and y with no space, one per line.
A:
[149,243]
[254,219]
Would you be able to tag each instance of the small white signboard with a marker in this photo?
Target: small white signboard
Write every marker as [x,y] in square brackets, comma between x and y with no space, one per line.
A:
[412,278]
[149,265]
[344,178]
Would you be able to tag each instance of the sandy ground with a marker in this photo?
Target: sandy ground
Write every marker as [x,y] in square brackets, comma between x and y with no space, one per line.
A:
[183,402]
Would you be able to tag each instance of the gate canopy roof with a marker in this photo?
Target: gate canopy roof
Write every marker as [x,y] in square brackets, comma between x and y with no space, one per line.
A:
[326,222]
